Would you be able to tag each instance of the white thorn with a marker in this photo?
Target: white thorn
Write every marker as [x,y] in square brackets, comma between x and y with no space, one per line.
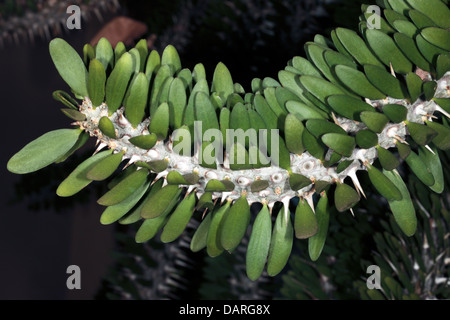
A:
[189,189]
[285,202]
[438,108]
[224,196]
[353,214]
[392,70]
[429,149]
[100,147]
[352,175]
[309,199]
[132,160]
[162,174]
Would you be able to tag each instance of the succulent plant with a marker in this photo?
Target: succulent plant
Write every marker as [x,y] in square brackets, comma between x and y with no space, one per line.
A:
[356,104]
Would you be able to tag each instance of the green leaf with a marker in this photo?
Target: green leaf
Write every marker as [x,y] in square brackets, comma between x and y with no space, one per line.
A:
[357,82]
[349,107]
[441,140]
[387,51]
[403,210]
[170,57]
[266,113]
[124,188]
[429,89]
[345,197]
[313,145]
[298,181]
[429,51]
[442,65]
[222,82]
[213,246]
[77,180]
[152,65]
[107,127]
[403,150]
[205,112]
[137,100]
[280,244]
[88,53]
[433,163]
[73,114]
[65,98]
[43,151]
[385,82]
[198,241]
[177,100]
[436,10]
[116,85]
[119,50]
[142,47]
[235,224]
[383,185]
[320,88]
[259,244]
[304,112]
[375,121]
[356,46]
[259,185]
[82,139]
[149,228]
[160,201]
[163,75]
[341,143]
[69,66]
[317,241]
[421,133]
[420,20]
[420,169]
[387,159]
[319,127]
[135,214]
[409,48]
[179,219]
[405,27]
[146,141]
[105,168]
[305,67]
[104,53]
[205,201]
[159,123]
[305,222]
[366,139]
[113,213]
[96,82]
[293,131]
[395,112]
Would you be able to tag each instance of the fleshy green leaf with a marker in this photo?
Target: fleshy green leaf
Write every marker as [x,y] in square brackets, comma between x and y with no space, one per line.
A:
[43,151]
[403,210]
[259,244]
[317,241]
[179,219]
[280,244]
[235,224]
[124,188]
[69,65]
[305,222]
[116,85]
[77,180]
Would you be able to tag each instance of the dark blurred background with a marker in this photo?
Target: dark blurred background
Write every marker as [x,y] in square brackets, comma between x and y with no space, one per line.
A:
[41,234]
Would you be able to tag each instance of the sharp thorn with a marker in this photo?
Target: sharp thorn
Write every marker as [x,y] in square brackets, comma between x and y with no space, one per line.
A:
[429,149]
[100,147]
